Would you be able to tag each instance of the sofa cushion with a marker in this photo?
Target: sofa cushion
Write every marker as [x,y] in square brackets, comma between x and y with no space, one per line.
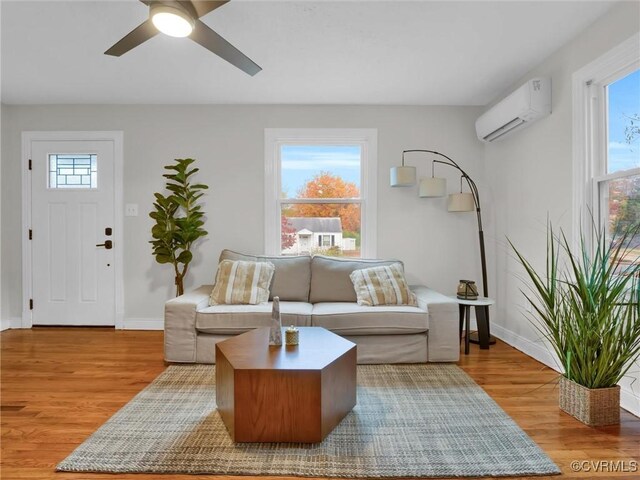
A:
[352,319]
[383,285]
[291,278]
[236,319]
[330,280]
[239,282]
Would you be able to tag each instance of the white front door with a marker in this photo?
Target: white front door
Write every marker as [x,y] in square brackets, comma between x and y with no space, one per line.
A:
[72,220]
[305,241]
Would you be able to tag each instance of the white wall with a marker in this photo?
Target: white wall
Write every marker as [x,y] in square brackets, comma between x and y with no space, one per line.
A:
[4,321]
[438,248]
[530,177]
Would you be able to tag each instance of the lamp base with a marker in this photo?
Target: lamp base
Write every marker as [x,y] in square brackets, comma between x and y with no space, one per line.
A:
[473,338]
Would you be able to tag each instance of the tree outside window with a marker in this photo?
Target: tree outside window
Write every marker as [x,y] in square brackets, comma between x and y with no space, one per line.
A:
[326,200]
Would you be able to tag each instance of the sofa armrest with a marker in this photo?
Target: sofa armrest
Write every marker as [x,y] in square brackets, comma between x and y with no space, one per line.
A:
[180,324]
[443,339]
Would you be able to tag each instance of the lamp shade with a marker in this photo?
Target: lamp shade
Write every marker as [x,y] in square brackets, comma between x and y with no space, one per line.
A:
[403,176]
[461,202]
[433,187]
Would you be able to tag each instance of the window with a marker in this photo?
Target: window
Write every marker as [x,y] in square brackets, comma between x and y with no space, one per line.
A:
[320,192]
[328,241]
[618,185]
[73,171]
[607,142]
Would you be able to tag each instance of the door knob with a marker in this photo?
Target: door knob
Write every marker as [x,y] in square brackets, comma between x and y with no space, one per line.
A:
[108,244]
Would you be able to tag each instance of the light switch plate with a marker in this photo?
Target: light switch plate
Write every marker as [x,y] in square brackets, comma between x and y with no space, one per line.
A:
[131,210]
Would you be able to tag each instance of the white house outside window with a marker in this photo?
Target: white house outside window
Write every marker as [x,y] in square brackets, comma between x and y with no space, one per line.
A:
[607,142]
[320,192]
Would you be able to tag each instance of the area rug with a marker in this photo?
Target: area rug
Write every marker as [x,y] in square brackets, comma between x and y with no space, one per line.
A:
[410,421]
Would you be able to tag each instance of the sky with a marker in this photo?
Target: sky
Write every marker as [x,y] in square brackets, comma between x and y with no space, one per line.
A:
[300,163]
[624,101]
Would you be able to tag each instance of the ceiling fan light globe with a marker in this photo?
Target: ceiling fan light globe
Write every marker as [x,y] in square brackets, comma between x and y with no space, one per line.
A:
[172,21]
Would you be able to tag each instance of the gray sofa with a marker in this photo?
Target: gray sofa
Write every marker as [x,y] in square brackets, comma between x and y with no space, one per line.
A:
[317,291]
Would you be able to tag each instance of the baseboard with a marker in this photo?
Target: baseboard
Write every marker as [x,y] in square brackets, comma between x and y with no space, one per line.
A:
[143,324]
[529,347]
[10,323]
[629,400]
[128,324]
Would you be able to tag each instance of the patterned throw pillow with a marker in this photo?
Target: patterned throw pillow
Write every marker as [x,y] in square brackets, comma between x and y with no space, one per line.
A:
[242,283]
[384,285]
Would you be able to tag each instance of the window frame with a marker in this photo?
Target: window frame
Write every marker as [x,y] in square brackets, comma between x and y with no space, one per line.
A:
[590,133]
[366,138]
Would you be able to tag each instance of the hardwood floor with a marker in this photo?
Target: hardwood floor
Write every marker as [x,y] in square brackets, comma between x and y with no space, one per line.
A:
[58,385]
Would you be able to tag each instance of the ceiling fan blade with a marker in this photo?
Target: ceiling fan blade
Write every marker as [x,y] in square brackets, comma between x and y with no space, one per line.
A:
[202,7]
[212,41]
[138,35]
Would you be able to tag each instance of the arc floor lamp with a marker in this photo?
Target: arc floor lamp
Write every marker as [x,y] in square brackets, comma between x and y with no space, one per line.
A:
[405,176]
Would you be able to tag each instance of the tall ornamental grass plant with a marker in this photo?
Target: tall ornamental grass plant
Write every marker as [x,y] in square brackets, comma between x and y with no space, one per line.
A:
[586,304]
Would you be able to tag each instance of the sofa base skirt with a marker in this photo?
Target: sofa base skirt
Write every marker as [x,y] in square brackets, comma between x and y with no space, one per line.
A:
[372,349]
[206,346]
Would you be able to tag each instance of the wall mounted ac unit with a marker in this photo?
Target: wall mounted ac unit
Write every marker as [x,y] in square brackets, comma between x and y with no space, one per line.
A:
[530,102]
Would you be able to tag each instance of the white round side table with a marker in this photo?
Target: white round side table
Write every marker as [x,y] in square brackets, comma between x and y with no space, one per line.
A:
[482,305]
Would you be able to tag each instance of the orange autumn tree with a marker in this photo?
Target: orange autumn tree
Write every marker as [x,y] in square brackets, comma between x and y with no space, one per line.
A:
[326,185]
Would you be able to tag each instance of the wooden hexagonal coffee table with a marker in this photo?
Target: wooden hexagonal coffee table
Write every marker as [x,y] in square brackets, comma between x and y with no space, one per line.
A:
[285,394]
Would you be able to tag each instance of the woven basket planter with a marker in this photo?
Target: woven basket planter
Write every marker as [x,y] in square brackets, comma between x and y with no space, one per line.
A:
[592,406]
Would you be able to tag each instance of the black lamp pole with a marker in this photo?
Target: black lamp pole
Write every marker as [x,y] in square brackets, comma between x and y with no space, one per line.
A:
[476,200]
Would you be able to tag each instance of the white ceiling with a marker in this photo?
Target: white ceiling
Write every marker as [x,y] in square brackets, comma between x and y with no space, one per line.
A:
[363,52]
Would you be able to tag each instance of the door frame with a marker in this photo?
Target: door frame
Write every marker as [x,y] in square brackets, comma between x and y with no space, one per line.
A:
[118,157]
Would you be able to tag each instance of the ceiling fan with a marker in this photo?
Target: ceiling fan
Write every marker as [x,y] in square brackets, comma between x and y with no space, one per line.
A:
[181,18]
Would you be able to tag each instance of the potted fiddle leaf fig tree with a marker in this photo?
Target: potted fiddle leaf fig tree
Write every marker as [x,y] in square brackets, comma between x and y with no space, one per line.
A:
[586,305]
[178,219]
